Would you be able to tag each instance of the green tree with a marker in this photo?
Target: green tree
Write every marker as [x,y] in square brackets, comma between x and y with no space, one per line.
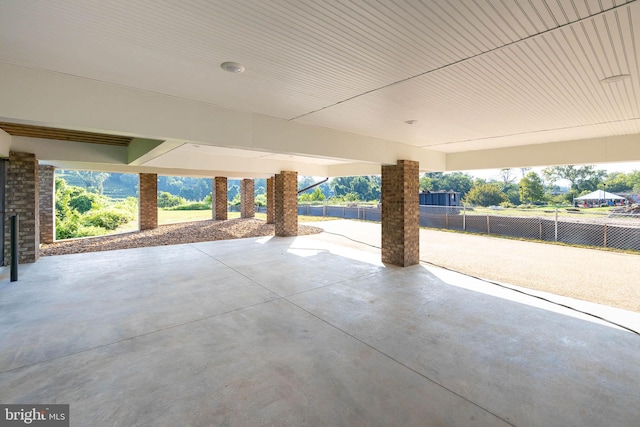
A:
[532,188]
[507,176]
[618,182]
[485,195]
[365,187]
[260,199]
[168,200]
[93,180]
[455,181]
[580,177]
[233,192]
[633,181]
[317,195]
[83,201]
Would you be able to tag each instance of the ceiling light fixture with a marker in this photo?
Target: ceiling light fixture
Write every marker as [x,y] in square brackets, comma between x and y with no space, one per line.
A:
[232,67]
[614,79]
[411,122]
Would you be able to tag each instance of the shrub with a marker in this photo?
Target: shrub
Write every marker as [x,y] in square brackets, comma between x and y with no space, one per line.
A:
[67,227]
[168,200]
[84,201]
[195,206]
[485,195]
[108,218]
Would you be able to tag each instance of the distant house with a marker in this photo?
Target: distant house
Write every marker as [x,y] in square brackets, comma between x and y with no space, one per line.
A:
[440,198]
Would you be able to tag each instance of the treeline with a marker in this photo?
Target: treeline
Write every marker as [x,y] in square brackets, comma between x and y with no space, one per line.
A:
[523,186]
[509,187]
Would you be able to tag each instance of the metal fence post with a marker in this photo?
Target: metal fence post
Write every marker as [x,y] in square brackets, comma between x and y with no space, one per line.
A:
[556,227]
[15,226]
[605,235]
[488,225]
[539,228]
[464,217]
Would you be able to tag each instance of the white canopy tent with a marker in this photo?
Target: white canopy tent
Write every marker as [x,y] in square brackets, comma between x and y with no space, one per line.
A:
[600,195]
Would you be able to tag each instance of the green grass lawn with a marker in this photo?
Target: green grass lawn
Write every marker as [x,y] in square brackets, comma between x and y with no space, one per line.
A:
[539,211]
[170,217]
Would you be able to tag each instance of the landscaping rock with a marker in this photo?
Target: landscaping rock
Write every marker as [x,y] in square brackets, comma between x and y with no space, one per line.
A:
[171,234]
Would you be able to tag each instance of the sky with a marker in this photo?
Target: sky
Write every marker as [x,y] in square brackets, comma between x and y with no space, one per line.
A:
[609,167]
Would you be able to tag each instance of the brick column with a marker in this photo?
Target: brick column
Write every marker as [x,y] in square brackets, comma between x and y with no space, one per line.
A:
[400,214]
[247,199]
[271,183]
[219,198]
[148,201]
[46,178]
[22,200]
[286,203]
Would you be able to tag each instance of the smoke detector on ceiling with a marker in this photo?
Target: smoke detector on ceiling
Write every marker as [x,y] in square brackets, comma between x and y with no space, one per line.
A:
[232,67]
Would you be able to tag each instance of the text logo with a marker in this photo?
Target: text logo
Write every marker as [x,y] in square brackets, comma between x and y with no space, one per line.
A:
[39,415]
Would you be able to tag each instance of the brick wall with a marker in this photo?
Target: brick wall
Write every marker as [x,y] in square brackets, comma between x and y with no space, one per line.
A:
[247,199]
[46,178]
[271,182]
[219,198]
[148,201]
[400,214]
[286,203]
[22,200]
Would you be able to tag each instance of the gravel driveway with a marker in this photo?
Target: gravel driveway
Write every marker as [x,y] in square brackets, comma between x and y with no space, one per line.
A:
[171,234]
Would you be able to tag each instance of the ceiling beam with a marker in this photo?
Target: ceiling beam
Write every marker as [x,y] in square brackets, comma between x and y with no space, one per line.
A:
[142,150]
[34,96]
[611,149]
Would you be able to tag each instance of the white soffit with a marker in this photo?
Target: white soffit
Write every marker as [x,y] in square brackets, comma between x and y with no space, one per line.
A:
[475,75]
[542,89]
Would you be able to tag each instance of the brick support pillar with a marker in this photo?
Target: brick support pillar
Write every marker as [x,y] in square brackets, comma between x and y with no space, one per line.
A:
[247,199]
[271,187]
[148,201]
[219,198]
[400,214]
[286,203]
[22,199]
[46,178]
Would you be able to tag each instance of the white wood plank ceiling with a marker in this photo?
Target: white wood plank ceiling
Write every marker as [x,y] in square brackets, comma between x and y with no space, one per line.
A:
[475,74]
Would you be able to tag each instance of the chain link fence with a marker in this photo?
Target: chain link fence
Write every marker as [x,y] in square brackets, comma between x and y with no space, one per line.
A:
[617,228]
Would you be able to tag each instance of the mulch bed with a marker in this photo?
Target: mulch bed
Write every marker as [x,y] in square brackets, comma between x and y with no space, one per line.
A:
[171,234]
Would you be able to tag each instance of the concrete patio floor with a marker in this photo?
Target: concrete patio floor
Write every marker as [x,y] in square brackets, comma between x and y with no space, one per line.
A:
[310,330]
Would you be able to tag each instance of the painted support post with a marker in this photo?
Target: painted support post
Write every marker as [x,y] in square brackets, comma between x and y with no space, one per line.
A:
[15,227]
